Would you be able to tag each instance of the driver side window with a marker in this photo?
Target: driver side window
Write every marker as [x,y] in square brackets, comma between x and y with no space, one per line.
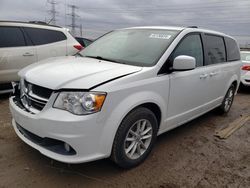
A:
[190,46]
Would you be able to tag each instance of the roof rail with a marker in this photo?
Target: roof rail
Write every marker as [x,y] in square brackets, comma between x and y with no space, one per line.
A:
[38,22]
[31,22]
[42,23]
[192,26]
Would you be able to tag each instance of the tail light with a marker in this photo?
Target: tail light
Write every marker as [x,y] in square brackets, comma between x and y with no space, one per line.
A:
[246,68]
[78,47]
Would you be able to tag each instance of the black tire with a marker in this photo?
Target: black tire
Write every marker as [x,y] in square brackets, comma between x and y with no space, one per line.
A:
[224,108]
[119,155]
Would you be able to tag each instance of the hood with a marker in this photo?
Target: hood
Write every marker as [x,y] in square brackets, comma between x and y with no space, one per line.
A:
[74,72]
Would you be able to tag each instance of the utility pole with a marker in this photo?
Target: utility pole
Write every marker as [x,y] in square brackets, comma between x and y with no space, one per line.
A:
[52,12]
[73,16]
[81,30]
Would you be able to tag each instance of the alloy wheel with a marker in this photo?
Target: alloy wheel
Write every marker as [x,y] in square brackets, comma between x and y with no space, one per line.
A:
[138,139]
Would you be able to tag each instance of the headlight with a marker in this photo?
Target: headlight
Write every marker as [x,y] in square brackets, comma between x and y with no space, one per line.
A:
[80,103]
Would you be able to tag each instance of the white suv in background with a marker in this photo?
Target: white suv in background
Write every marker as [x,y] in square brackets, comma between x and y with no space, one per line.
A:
[130,86]
[24,43]
[245,70]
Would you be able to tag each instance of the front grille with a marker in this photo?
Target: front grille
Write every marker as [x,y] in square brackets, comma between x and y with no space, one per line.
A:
[41,91]
[39,105]
[34,97]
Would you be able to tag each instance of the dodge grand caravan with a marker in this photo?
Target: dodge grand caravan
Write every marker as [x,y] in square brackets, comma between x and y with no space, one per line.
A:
[128,87]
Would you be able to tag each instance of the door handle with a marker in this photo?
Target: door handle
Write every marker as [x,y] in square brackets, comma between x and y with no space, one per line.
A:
[203,76]
[213,74]
[28,54]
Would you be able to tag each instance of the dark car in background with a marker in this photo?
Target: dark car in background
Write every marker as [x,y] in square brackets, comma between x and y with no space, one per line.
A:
[83,41]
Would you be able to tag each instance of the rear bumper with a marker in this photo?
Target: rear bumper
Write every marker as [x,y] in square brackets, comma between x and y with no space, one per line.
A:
[245,78]
[6,88]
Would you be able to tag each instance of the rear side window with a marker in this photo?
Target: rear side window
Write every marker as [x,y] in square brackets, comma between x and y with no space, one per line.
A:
[11,37]
[233,53]
[215,49]
[191,46]
[44,36]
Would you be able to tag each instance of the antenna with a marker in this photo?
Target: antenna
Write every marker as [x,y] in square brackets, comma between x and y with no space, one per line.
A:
[52,12]
[73,16]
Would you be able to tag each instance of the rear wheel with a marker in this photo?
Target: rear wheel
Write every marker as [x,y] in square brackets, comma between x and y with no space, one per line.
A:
[134,138]
[228,100]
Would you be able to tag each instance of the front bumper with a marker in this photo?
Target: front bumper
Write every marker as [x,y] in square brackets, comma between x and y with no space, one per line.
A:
[82,133]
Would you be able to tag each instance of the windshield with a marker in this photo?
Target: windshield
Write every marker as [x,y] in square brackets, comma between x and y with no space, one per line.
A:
[245,56]
[139,47]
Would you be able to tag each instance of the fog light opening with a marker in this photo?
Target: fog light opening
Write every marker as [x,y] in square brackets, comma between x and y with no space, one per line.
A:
[67,147]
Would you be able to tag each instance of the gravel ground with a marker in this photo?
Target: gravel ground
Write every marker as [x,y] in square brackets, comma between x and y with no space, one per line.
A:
[188,156]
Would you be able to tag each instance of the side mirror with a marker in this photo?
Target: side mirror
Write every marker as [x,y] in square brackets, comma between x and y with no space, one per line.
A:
[183,63]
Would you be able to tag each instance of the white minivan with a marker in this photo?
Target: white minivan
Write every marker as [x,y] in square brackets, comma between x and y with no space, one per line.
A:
[24,43]
[128,87]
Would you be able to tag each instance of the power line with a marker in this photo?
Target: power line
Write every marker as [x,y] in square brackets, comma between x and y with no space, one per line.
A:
[73,16]
[52,12]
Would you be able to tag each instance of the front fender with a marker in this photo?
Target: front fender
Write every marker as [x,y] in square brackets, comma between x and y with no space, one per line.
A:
[122,109]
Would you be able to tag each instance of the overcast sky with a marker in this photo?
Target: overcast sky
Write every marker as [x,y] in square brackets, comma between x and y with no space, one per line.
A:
[99,16]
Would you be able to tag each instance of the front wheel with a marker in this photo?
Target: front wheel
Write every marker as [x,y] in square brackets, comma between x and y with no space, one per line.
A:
[135,138]
[228,100]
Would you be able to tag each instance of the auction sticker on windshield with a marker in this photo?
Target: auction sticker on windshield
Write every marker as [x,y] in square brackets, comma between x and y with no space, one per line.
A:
[160,36]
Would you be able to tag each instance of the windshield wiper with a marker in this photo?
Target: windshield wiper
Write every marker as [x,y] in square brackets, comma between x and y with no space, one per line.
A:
[104,59]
